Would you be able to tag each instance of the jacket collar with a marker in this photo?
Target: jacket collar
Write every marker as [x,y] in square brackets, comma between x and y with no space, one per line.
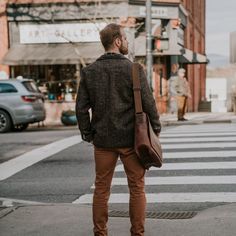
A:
[111,56]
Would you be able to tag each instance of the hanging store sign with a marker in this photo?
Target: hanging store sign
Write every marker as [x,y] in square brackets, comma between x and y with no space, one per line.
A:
[60,33]
[156,11]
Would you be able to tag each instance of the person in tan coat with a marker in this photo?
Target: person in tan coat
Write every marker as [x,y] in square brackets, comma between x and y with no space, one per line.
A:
[182,90]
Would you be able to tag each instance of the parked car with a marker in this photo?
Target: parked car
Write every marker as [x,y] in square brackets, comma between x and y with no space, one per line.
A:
[21,103]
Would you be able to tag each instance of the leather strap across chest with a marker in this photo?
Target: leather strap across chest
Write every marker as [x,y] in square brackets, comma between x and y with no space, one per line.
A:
[137,88]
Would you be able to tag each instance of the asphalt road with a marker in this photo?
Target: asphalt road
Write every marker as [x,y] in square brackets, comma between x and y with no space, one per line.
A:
[68,175]
[14,144]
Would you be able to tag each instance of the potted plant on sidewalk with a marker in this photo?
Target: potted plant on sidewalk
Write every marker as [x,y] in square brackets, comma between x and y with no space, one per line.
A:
[68,117]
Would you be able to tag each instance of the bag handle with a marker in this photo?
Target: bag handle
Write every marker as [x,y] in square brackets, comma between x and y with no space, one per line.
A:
[137,88]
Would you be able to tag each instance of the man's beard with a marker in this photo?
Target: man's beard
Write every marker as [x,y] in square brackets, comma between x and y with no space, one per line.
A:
[123,50]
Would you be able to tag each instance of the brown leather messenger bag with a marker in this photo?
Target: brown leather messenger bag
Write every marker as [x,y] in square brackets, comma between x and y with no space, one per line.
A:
[147,144]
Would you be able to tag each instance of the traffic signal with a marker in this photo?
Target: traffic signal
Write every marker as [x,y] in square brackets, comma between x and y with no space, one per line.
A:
[160,44]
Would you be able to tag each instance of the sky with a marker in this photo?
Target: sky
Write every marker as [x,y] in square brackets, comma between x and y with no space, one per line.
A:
[220,21]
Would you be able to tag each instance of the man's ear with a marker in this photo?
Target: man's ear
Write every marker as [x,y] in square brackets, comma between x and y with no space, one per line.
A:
[117,42]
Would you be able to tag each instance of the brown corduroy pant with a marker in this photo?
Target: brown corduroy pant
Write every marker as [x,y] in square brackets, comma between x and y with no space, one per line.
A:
[105,162]
[182,106]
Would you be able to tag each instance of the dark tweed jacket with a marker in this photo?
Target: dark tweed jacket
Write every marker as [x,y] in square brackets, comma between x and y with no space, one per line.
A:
[106,88]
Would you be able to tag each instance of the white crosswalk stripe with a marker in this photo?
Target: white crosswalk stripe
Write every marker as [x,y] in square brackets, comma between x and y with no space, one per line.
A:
[197,154]
[231,179]
[178,144]
[217,128]
[197,139]
[197,134]
[190,166]
[167,197]
[17,164]
[198,145]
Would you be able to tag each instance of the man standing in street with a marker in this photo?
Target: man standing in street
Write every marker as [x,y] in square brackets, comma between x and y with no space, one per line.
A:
[106,88]
[182,93]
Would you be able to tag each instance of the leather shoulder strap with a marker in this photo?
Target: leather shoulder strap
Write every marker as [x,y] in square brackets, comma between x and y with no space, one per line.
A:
[137,88]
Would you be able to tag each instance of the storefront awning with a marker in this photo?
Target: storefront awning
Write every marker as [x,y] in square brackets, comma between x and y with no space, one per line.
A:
[48,54]
[189,57]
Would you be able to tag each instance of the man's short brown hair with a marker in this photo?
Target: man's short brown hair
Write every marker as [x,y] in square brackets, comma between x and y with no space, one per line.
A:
[109,34]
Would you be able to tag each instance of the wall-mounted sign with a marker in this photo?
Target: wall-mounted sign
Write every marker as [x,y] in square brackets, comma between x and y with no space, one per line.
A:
[60,33]
[156,11]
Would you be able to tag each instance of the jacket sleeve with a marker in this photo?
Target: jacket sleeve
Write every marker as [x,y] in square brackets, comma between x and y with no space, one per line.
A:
[148,102]
[82,110]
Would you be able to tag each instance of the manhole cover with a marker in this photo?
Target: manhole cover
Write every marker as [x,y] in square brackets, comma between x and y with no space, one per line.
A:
[159,215]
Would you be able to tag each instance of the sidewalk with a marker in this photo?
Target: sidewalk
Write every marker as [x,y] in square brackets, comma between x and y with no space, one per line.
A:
[76,220]
[194,118]
[199,118]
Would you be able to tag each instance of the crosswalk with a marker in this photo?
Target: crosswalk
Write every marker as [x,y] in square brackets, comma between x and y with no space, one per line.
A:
[200,167]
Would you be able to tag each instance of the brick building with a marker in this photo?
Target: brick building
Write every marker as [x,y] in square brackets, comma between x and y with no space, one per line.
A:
[232,51]
[195,41]
[35,41]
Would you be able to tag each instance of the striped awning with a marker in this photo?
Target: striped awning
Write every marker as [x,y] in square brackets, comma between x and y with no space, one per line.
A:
[189,57]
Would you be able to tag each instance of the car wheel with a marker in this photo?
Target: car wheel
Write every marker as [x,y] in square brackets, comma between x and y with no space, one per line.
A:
[5,122]
[20,127]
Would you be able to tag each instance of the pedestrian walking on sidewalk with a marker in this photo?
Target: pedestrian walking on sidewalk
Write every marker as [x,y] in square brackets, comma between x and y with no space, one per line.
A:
[172,91]
[106,88]
[182,94]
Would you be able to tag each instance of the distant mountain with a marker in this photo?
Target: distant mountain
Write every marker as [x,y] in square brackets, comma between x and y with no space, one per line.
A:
[217,60]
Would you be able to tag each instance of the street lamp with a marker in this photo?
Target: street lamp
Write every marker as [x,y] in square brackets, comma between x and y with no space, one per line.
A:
[149,61]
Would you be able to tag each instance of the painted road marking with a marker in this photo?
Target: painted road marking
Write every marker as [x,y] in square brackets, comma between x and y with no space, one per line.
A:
[13,166]
[167,197]
[7,202]
[205,154]
[198,145]
[196,134]
[197,139]
[179,136]
[181,180]
[190,166]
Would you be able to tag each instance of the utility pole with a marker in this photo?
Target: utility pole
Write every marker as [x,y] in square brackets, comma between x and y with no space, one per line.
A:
[149,41]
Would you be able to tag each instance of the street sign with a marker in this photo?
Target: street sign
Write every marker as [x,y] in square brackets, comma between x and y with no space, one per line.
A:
[60,33]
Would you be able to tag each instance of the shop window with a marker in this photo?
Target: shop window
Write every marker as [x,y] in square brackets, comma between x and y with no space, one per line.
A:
[57,82]
[61,83]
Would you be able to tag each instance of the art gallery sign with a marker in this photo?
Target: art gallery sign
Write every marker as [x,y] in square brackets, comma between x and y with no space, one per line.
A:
[60,33]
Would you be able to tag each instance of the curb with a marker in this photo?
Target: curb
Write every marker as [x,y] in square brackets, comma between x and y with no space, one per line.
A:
[216,121]
[56,126]
[52,127]
[177,123]
[197,122]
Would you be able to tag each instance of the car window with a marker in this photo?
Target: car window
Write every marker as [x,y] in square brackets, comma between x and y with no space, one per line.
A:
[30,86]
[7,88]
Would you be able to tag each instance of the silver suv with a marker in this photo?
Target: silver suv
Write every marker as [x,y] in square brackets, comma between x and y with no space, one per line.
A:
[21,103]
